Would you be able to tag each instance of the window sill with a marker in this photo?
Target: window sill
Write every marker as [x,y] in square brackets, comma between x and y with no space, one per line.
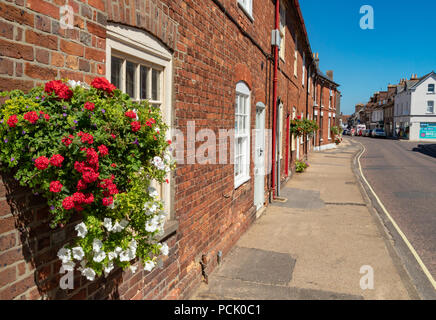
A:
[170,228]
[248,14]
[241,181]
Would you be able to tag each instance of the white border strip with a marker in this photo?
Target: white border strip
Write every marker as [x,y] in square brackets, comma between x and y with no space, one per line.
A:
[403,236]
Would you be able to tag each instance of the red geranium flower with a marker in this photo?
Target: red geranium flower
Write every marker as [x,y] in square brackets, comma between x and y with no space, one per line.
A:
[89,198]
[92,156]
[67,141]
[169,141]
[103,84]
[81,185]
[130,114]
[136,126]
[113,136]
[89,175]
[68,203]
[12,121]
[103,150]
[89,106]
[113,165]
[55,186]
[107,201]
[41,163]
[79,166]
[60,89]
[46,117]
[86,137]
[31,116]
[79,197]
[56,160]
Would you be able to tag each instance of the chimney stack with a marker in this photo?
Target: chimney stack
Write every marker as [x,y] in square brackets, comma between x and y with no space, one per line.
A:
[316,58]
[329,74]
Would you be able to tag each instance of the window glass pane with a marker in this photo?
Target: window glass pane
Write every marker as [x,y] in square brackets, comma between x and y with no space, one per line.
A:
[155,84]
[116,65]
[144,82]
[130,79]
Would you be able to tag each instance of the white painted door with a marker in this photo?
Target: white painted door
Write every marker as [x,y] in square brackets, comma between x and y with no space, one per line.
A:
[259,157]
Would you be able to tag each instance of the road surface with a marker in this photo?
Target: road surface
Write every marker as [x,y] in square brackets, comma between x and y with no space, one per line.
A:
[403,175]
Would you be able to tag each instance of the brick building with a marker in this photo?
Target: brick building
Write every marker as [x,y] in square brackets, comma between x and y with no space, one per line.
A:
[192,58]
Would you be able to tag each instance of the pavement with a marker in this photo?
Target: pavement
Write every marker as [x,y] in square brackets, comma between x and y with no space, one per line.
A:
[315,245]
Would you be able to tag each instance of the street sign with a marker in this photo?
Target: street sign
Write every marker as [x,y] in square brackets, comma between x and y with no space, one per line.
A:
[428,130]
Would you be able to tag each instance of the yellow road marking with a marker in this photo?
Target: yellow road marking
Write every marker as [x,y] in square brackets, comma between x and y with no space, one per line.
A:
[409,245]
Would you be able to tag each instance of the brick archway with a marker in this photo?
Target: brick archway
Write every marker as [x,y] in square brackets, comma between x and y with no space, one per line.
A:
[242,73]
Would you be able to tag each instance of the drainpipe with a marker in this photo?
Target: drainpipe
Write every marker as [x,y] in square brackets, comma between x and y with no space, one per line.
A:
[275,82]
[320,109]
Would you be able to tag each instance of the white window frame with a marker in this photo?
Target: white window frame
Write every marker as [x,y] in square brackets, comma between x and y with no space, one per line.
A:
[247,7]
[282,32]
[304,69]
[242,93]
[139,47]
[296,57]
[430,102]
[329,127]
[293,142]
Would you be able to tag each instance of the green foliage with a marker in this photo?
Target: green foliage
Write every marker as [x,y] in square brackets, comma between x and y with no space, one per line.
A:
[125,213]
[300,127]
[301,166]
[335,130]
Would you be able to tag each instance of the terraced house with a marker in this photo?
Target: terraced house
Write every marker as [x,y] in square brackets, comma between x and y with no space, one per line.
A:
[208,64]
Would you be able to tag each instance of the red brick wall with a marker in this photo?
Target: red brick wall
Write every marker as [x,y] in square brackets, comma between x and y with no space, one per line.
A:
[210,57]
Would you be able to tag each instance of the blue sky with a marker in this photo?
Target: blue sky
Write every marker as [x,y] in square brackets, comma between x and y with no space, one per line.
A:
[366,61]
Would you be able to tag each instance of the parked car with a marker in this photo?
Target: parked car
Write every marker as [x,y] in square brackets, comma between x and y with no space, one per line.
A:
[346,132]
[366,133]
[378,133]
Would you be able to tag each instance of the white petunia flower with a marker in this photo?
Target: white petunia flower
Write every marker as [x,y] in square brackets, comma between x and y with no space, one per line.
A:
[150,226]
[118,250]
[73,84]
[108,268]
[164,249]
[157,129]
[117,227]
[136,112]
[127,255]
[97,245]
[64,254]
[78,253]
[133,268]
[133,245]
[83,263]
[149,265]
[81,230]
[89,274]
[153,192]
[112,255]
[68,266]
[158,163]
[99,256]
[124,223]
[107,223]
